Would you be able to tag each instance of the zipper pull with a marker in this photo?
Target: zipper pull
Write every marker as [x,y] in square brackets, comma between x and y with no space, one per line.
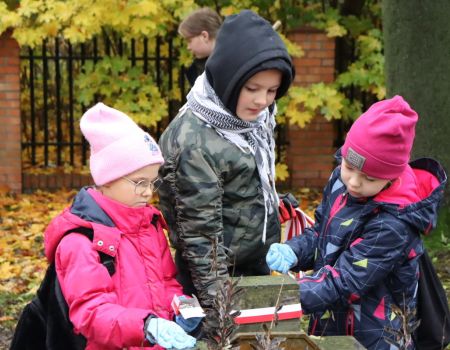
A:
[343,196]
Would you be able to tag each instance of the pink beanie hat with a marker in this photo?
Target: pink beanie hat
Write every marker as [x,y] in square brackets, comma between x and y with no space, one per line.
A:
[118,145]
[379,142]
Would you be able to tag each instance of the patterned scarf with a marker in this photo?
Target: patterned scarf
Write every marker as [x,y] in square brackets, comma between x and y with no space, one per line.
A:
[255,137]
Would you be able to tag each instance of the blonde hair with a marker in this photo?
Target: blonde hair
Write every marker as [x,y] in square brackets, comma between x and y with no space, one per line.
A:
[204,19]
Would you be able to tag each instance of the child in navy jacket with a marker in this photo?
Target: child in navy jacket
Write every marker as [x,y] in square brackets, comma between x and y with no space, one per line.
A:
[365,244]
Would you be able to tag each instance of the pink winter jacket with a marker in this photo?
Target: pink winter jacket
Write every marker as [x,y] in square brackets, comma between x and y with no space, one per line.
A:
[110,310]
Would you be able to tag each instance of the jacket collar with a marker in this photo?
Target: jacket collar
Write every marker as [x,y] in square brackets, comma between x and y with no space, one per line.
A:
[91,205]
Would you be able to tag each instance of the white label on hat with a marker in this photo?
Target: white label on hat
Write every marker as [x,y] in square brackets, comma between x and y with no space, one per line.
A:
[355,159]
[151,144]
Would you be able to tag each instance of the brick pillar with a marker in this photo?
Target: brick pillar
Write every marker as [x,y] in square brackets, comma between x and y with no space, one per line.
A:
[310,150]
[10,133]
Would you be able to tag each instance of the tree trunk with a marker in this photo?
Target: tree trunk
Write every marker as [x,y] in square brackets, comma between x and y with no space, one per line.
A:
[417,53]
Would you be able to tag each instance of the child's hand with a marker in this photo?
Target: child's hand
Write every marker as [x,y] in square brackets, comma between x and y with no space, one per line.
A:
[167,334]
[281,257]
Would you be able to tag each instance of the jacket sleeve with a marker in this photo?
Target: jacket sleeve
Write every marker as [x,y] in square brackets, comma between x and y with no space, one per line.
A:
[198,191]
[362,266]
[89,291]
[305,245]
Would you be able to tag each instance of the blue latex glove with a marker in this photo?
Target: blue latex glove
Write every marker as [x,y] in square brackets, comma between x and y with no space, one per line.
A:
[168,334]
[281,257]
[188,324]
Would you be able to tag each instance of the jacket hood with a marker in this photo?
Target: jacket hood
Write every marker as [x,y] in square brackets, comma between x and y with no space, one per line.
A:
[108,219]
[415,197]
[246,44]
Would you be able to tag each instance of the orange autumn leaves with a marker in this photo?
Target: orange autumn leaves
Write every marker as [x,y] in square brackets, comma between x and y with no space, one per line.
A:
[23,219]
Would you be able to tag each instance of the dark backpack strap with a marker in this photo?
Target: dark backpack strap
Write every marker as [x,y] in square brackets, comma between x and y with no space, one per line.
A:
[85,231]
[106,260]
[155,219]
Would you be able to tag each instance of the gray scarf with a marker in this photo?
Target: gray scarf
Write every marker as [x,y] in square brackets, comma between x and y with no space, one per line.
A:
[254,137]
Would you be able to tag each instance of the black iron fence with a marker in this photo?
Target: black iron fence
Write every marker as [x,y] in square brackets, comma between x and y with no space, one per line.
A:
[50,110]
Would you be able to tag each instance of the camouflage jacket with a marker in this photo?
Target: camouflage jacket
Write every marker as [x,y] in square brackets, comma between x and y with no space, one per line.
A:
[212,191]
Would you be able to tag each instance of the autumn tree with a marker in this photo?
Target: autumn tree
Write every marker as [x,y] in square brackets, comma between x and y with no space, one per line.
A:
[417,41]
[355,24]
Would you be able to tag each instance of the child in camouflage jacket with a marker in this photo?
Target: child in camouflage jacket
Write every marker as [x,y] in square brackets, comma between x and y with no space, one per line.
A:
[220,160]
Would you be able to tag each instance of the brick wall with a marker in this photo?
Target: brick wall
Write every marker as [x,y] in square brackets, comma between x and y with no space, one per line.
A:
[310,150]
[54,182]
[10,149]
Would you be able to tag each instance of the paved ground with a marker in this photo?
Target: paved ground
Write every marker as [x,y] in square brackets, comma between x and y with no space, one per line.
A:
[5,338]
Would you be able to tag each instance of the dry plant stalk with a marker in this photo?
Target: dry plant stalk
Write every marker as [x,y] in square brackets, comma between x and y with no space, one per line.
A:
[409,323]
[264,340]
[219,326]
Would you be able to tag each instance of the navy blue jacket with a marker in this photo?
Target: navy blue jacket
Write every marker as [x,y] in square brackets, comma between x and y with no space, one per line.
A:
[364,254]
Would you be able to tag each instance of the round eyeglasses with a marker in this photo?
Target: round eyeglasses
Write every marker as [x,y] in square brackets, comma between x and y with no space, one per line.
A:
[141,186]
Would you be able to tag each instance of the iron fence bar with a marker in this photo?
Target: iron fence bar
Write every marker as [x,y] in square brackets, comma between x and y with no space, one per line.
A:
[53,65]
[133,52]
[120,47]
[32,109]
[107,43]
[71,121]
[45,96]
[96,57]
[158,76]
[145,56]
[58,105]
[158,62]
[83,140]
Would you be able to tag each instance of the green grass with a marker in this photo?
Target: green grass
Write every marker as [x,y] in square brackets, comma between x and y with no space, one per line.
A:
[439,239]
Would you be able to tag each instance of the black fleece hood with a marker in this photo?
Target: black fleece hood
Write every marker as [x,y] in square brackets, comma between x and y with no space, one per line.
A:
[245,45]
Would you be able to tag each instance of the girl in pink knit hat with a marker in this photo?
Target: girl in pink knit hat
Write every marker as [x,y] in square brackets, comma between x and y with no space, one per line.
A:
[365,245]
[130,306]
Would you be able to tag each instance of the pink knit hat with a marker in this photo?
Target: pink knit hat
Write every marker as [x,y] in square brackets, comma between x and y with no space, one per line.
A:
[118,145]
[379,142]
